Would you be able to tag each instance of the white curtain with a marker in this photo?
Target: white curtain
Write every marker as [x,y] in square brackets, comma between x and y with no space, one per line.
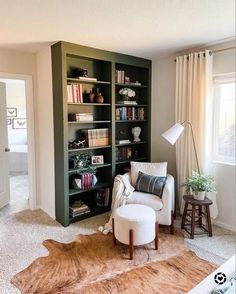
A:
[192,103]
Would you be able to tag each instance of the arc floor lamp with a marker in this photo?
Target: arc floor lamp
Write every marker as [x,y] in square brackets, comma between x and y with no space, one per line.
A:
[173,134]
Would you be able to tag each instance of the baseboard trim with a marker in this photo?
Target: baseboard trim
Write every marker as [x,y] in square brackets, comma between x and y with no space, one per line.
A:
[225,226]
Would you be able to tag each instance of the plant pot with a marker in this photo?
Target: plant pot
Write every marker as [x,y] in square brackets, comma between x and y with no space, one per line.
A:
[199,195]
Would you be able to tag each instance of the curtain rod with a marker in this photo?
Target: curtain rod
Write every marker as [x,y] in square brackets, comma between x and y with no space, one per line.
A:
[217,50]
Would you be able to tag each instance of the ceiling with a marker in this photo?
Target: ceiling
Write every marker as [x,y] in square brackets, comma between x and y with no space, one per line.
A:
[145,28]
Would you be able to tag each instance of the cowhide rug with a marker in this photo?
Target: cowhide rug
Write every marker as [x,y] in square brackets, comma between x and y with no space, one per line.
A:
[91,264]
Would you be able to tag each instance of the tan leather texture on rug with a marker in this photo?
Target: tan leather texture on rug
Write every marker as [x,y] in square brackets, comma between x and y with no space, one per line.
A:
[91,264]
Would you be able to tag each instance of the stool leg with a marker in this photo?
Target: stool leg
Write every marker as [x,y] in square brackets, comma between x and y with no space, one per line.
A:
[209,220]
[184,215]
[200,214]
[192,222]
[156,236]
[113,232]
[131,244]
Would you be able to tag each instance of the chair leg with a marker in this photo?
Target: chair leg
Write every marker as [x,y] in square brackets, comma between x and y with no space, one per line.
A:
[156,235]
[172,223]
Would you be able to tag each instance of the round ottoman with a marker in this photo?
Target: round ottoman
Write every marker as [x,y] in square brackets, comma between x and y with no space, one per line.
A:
[135,224]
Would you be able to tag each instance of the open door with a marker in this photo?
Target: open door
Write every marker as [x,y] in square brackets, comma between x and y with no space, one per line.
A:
[4,149]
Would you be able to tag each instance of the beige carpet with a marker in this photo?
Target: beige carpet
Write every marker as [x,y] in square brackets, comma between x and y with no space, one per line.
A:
[91,264]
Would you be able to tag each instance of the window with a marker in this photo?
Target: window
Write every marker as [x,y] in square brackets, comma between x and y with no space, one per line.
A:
[224,119]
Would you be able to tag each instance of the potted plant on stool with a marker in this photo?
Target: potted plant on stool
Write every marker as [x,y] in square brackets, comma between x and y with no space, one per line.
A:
[199,185]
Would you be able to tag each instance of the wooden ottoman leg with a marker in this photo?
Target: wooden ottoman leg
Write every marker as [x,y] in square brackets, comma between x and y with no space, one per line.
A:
[113,232]
[131,244]
[156,236]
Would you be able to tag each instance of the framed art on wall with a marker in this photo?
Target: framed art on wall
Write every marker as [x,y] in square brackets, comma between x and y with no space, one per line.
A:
[19,123]
[11,112]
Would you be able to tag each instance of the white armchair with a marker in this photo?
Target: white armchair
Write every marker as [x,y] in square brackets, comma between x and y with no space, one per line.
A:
[164,207]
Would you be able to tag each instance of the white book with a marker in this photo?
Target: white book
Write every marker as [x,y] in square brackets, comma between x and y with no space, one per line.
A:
[87,79]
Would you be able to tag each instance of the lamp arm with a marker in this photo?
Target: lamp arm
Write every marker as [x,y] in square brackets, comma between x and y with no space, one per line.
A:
[194,144]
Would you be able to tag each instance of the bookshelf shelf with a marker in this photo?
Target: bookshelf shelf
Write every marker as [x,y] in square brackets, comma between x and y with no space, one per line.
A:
[131,144]
[131,105]
[135,159]
[71,97]
[131,121]
[93,211]
[89,148]
[131,86]
[71,171]
[90,104]
[96,187]
[74,80]
[89,122]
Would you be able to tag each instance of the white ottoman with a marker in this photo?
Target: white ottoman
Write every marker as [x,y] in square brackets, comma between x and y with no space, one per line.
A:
[135,224]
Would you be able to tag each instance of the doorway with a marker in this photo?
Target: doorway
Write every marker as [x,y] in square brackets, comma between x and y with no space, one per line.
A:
[20,146]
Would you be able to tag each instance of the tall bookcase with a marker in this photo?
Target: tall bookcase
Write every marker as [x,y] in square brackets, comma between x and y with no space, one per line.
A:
[112,115]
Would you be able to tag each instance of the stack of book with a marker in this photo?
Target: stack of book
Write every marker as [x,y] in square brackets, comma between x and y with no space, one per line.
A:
[74,93]
[124,153]
[84,181]
[130,113]
[87,79]
[120,77]
[78,208]
[80,117]
[127,102]
[102,197]
[96,137]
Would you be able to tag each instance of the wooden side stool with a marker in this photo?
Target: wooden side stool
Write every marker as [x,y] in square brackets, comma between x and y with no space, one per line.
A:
[191,219]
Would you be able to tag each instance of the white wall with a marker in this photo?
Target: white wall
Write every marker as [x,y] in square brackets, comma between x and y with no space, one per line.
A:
[45,132]
[163,104]
[15,91]
[163,110]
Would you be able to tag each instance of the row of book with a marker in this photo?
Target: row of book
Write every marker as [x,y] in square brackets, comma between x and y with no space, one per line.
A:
[78,208]
[84,181]
[130,113]
[74,93]
[124,153]
[80,117]
[96,137]
[120,76]
[102,197]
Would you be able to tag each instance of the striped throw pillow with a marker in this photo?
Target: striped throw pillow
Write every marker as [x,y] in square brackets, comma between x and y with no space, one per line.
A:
[150,184]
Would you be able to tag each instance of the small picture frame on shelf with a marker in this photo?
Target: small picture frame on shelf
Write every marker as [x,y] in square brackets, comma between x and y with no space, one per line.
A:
[97,159]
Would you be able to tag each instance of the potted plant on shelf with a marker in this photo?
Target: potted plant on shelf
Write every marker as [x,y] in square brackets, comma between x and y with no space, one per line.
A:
[199,185]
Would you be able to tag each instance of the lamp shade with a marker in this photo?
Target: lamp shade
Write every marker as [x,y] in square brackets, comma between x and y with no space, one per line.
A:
[172,134]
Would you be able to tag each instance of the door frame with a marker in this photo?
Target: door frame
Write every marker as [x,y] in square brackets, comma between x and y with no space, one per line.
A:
[30,132]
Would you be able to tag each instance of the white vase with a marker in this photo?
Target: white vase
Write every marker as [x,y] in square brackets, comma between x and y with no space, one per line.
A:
[199,195]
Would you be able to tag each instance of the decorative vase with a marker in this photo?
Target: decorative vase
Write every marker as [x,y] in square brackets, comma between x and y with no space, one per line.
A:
[99,97]
[91,97]
[199,195]
[126,98]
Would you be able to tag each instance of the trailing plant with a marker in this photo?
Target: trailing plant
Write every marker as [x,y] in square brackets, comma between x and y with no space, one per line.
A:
[198,182]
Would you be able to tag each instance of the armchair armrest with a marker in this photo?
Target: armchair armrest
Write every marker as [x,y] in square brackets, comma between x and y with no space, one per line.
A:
[168,195]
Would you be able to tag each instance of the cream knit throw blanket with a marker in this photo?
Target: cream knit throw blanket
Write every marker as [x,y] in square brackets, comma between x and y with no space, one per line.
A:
[122,190]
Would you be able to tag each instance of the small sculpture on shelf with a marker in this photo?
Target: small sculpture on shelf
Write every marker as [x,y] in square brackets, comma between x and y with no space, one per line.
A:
[99,97]
[82,162]
[91,97]
[136,132]
[77,144]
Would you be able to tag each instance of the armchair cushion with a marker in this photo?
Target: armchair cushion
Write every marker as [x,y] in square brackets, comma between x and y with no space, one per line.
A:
[149,200]
[158,169]
[150,184]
